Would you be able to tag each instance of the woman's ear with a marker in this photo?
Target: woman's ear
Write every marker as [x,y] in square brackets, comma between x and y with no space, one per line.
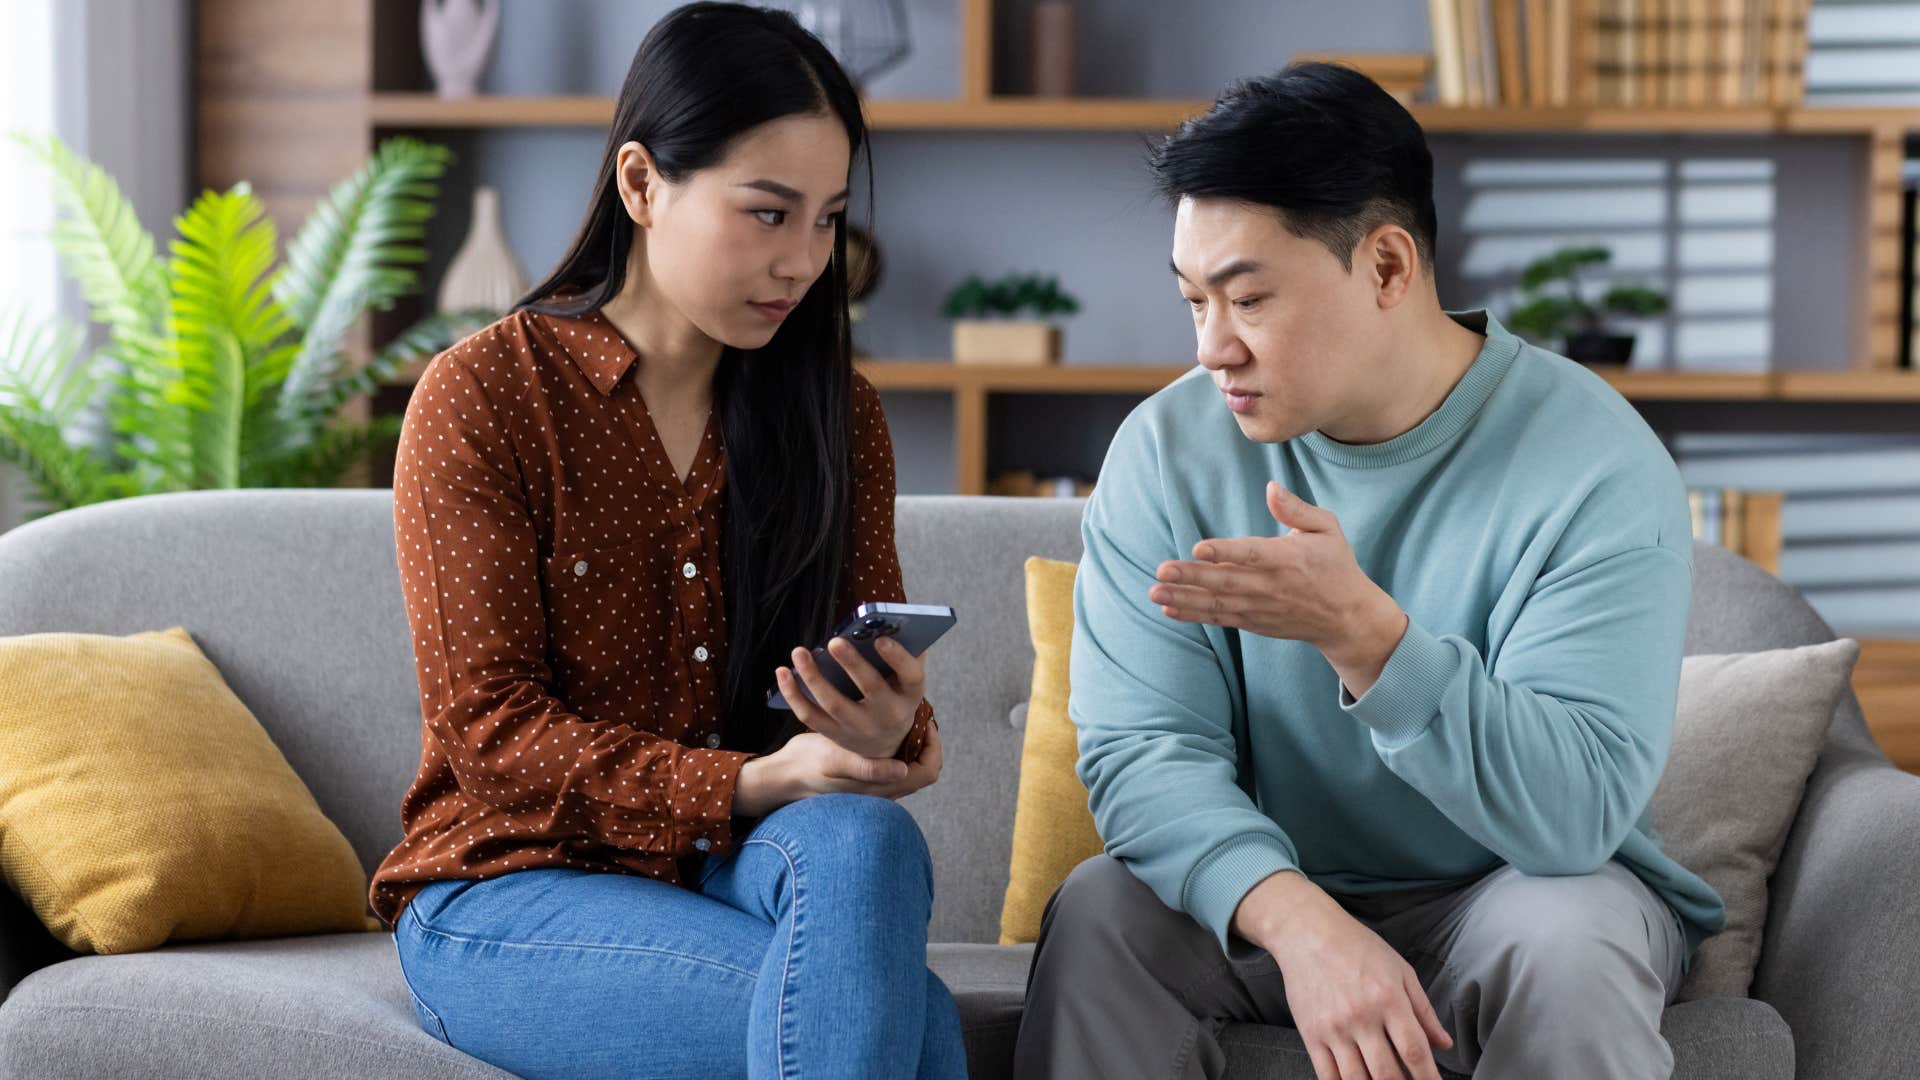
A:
[638,181]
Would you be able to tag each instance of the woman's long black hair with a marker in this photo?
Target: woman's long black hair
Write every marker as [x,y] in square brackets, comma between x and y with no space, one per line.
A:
[703,76]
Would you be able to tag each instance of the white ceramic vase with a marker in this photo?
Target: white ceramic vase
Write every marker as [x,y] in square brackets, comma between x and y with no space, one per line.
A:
[457,36]
[483,273]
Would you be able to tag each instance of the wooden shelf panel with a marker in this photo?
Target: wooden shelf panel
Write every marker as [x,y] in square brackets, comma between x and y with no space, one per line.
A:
[1690,385]
[1848,385]
[1032,378]
[423,110]
[1635,385]
[943,376]
[1101,114]
[487,110]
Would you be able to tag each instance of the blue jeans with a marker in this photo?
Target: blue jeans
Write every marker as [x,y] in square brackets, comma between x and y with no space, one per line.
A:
[802,954]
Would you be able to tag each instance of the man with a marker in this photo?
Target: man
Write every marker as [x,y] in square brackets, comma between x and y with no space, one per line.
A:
[1378,637]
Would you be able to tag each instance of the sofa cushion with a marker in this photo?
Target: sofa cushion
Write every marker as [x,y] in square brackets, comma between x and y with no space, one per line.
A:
[1747,731]
[330,1006]
[143,803]
[1053,830]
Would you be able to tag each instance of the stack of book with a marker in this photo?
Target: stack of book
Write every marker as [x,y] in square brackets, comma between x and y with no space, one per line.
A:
[1631,53]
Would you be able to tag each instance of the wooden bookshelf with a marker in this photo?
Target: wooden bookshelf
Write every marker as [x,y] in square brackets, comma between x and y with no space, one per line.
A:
[347,79]
[1123,378]
[1092,114]
[1111,378]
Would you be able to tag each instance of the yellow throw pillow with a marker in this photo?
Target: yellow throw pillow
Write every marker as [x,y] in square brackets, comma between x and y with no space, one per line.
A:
[1052,828]
[141,802]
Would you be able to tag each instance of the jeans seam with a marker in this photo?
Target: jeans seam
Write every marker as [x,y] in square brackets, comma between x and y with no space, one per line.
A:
[786,963]
[590,947]
[408,979]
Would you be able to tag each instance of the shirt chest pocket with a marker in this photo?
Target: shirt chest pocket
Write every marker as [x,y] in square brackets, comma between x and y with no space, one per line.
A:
[603,599]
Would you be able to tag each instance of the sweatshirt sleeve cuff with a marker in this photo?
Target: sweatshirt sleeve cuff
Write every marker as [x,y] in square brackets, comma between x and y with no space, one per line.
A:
[1403,702]
[703,800]
[1226,874]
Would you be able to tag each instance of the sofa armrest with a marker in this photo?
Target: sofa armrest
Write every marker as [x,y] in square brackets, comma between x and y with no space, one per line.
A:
[26,945]
[1841,956]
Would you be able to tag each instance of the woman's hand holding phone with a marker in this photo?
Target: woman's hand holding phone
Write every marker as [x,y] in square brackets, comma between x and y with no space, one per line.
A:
[812,764]
[875,725]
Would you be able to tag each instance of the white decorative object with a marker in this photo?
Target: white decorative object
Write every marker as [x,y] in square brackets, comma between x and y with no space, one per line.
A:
[484,273]
[456,36]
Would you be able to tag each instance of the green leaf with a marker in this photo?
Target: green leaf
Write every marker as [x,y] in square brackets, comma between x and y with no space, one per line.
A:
[1633,300]
[229,330]
[44,388]
[424,338]
[357,251]
[102,244]
[322,462]
[1544,318]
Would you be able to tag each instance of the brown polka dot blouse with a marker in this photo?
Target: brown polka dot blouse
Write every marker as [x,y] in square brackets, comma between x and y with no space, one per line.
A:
[563,587]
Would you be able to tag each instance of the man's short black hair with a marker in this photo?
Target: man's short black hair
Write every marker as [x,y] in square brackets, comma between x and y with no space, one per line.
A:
[1321,143]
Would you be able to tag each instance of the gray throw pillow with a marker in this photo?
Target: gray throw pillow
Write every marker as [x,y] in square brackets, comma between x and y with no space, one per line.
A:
[1747,732]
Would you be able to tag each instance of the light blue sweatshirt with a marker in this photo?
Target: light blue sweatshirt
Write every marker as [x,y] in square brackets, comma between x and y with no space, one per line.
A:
[1537,534]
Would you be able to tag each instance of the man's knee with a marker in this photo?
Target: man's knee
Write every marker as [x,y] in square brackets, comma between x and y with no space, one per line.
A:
[1566,938]
[1102,899]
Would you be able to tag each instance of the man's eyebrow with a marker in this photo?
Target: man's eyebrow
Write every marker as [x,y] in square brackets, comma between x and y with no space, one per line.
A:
[775,187]
[1231,270]
[1226,273]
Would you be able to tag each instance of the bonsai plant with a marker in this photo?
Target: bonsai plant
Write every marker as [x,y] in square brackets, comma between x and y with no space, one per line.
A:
[1553,305]
[219,370]
[986,329]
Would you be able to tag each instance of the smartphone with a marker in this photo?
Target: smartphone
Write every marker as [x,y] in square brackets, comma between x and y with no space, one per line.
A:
[914,626]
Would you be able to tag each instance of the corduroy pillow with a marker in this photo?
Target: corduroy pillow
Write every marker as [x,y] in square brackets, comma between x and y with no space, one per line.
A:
[1052,828]
[142,803]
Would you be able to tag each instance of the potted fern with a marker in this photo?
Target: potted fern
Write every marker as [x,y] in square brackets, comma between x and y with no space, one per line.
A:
[220,370]
[985,330]
[1554,306]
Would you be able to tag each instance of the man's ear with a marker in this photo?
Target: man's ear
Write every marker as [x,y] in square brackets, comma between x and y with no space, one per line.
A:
[1392,263]
[638,181]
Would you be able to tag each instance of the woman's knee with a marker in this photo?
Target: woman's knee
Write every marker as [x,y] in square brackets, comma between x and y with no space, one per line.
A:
[866,831]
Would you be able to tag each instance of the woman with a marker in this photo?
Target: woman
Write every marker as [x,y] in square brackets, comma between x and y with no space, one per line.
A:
[621,512]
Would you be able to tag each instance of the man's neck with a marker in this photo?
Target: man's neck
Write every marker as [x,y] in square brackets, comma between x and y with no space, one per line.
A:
[1410,379]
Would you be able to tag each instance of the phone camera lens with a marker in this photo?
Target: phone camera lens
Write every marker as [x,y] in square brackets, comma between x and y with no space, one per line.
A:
[862,634]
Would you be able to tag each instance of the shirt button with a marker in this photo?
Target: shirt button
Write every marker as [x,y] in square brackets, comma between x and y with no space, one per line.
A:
[702,844]
[700,653]
[713,741]
[689,570]
[580,568]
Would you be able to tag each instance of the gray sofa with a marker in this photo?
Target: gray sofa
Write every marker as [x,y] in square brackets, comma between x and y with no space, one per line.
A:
[293,594]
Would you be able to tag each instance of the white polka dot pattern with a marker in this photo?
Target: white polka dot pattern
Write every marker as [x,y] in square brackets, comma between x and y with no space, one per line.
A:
[569,664]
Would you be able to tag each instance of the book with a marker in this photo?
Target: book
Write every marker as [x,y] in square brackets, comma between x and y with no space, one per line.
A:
[1744,522]
[1562,63]
[1539,61]
[1449,72]
[1506,43]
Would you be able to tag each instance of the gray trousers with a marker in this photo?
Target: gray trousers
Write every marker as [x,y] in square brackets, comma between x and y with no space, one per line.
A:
[1534,977]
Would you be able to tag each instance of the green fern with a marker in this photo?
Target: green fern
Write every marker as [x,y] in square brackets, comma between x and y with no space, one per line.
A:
[357,251]
[221,370]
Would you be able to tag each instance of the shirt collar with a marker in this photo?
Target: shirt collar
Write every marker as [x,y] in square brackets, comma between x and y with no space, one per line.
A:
[596,348]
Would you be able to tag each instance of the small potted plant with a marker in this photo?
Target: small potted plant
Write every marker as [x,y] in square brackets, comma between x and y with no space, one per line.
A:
[986,329]
[1554,307]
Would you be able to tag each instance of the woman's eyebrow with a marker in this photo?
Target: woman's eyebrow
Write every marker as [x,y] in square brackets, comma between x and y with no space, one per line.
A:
[775,187]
